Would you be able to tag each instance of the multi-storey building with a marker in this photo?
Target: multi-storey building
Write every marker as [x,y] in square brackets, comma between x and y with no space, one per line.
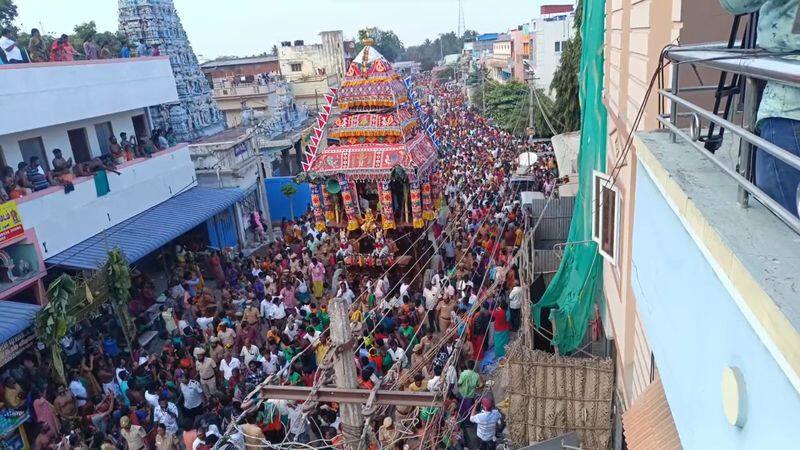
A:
[72,225]
[521,50]
[499,61]
[241,70]
[551,31]
[700,268]
[313,68]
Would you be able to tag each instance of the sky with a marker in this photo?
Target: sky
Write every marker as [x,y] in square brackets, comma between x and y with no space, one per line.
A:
[246,27]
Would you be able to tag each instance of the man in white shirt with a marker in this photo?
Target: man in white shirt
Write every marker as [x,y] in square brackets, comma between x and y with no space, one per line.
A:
[166,413]
[397,353]
[266,307]
[228,364]
[292,329]
[486,421]
[192,397]
[270,363]
[10,47]
[515,305]
[297,421]
[249,352]
[151,399]
[78,390]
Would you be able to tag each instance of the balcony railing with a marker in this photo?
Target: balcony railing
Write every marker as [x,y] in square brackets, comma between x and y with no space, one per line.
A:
[754,69]
[245,89]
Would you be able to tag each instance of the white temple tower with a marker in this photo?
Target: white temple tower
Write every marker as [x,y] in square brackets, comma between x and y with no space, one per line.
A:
[196,113]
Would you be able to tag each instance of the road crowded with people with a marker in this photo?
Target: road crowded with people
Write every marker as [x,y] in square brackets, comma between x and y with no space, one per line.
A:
[230,323]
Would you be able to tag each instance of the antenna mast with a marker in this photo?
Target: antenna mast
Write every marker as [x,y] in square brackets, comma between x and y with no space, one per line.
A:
[461,25]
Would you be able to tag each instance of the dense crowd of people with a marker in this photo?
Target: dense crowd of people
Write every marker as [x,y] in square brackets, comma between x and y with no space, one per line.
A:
[61,49]
[229,322]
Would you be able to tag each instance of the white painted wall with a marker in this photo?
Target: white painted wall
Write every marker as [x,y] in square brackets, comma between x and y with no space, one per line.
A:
[547,33]
[56,136]
[63,220]
[47,94]
[310,57]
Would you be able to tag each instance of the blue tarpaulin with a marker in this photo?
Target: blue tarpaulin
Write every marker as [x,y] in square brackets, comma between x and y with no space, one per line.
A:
[148,231]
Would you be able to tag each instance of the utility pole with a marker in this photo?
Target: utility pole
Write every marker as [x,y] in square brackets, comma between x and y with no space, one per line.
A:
[530,105]
[483,90]
[344,369]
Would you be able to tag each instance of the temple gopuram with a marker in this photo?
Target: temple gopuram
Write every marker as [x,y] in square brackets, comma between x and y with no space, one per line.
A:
[375,182]
[195,115]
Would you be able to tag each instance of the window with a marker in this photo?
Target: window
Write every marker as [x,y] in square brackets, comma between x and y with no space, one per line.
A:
[558,46]
[605,216]
[297,67]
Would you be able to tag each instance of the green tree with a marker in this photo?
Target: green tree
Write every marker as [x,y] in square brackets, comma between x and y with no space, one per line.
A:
[274,50]
[118,283]
[387,42]
[508,104]
[8,12]
[469,36]
[567,109]
[55,319]
[289,191]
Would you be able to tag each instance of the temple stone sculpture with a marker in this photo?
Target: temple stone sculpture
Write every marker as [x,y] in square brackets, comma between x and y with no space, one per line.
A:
[196,114]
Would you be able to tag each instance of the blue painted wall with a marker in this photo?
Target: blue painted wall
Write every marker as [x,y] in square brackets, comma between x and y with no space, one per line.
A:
[222,230]
[696,329]
[278,203]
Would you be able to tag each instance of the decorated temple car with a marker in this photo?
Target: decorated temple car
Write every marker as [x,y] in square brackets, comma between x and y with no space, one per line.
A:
[375,181]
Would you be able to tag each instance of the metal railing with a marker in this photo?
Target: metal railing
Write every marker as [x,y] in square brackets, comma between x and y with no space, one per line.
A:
[756,68]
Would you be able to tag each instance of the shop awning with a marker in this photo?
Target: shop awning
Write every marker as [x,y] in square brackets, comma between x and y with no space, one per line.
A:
[16,328]
[148,231]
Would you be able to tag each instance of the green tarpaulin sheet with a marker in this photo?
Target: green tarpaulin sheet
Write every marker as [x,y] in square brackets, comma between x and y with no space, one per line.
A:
[572,291]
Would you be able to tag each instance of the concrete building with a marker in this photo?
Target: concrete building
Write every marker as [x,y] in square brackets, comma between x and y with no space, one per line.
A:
[551,31]
[76,106]
[333,52]
[240,70]
[499,61]
[700,286]
[313,68]
[261,100]
[406,68]
[521,43]
[484,44]
[231,159]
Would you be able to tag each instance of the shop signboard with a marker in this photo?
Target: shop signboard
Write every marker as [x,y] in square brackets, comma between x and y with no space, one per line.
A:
[10,222]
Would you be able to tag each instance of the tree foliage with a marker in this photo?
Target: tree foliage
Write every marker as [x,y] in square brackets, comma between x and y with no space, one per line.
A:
[429,51]
[8,12]
[118,282]
[386,41]
[289,190]
[567,109]
[508,104]
[55,319]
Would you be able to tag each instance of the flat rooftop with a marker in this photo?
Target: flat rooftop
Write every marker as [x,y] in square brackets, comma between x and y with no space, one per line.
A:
[229,135]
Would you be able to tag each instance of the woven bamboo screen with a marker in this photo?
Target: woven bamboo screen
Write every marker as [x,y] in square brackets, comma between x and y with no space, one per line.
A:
[552,395]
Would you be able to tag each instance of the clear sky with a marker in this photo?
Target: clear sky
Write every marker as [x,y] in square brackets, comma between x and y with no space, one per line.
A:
[244,27]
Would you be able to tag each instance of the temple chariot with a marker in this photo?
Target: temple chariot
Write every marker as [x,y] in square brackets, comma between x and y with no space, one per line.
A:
[375,183]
